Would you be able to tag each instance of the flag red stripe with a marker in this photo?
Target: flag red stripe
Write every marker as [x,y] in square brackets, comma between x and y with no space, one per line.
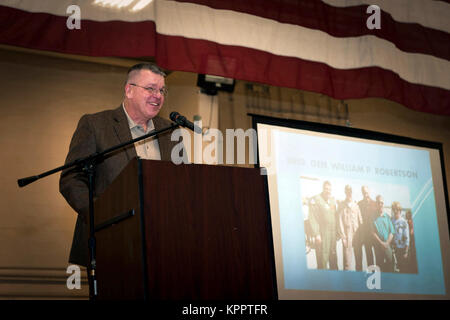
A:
[44,31]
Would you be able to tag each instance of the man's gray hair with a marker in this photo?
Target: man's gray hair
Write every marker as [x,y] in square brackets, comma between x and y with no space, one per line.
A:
[146,66]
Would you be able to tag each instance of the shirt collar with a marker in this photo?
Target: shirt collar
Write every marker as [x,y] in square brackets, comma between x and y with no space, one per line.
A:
[133,124]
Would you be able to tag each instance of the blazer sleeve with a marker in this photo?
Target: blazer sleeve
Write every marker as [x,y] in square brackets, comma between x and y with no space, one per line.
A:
[73,182]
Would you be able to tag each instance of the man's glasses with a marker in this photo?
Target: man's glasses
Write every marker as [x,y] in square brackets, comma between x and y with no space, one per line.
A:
[153,91]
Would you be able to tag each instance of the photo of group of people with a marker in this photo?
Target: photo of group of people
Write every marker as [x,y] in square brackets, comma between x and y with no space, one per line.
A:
[344,207]
[358,233]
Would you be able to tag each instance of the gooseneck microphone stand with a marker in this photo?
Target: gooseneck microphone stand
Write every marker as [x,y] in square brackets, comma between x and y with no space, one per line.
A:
[88,165]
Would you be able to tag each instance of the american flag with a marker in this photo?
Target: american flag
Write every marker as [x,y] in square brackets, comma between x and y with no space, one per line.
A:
[322,46]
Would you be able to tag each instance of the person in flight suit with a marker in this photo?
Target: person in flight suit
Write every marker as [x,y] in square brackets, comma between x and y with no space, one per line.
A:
[323,225]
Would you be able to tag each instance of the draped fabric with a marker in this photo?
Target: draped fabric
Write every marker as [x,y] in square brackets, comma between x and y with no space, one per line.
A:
[320,46]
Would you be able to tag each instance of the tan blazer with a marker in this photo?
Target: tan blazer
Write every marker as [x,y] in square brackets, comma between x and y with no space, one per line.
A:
[95,133]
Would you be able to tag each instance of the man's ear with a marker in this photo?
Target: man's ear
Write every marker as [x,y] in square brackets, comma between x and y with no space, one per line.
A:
[128,92]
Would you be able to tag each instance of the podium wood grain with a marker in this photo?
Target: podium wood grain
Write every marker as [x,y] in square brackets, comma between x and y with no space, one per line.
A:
[199,232]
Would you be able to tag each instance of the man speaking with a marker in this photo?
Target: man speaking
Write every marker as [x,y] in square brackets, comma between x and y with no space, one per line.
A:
[144,95]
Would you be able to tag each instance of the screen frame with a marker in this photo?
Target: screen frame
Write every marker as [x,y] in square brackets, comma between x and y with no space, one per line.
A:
[377,137]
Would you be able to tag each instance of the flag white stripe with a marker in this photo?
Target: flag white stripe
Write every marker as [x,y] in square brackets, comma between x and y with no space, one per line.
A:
[89,10]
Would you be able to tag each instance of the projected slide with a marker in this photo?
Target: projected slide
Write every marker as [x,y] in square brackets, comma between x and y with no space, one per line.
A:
[354,215]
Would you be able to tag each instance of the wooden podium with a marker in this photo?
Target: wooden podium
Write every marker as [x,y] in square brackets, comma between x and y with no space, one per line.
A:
[184,232]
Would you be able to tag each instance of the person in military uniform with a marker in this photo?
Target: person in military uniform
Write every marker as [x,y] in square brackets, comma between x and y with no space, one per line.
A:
[349,219]
[322,220]
[363,239]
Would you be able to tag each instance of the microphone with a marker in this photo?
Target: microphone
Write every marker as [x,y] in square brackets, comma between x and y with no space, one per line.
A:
[182,121]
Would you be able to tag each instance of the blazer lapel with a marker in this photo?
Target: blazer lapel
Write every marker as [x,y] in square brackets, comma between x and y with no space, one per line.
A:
[122,130]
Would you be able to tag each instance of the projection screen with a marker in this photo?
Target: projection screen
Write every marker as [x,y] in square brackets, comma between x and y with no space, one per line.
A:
[355,214]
